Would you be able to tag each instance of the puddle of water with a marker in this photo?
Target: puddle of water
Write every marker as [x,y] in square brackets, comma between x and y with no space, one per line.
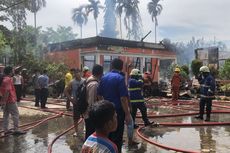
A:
[204,139]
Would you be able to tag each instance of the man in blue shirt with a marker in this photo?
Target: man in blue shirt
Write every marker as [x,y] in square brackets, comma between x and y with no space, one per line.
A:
[112,87]
[43,81]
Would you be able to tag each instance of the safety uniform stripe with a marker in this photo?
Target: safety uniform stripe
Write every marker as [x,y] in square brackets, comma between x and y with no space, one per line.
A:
[135,101]
[134,89]
[204,96]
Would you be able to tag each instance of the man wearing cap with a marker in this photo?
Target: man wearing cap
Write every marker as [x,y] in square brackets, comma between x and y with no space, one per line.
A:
[136,98]
[175,83]
[207,90]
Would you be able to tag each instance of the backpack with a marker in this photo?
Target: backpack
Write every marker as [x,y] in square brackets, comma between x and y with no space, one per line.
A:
[81,99]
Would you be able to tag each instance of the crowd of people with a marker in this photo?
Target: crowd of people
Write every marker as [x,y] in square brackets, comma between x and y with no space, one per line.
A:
[111,102]
[102,90]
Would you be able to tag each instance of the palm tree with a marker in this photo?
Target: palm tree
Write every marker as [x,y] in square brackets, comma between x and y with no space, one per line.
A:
[34,6]
[119,11]
[132,19]
[94,7]
[154,10]
[79,17]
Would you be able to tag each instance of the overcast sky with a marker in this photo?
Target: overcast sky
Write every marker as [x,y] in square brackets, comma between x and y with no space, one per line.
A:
[180,20]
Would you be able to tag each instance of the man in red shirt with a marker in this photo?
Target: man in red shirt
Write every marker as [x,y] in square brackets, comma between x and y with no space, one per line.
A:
[8,102]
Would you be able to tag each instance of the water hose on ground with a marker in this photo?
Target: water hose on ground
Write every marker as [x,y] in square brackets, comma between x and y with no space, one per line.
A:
[42,121]
[161,145]
[57,137]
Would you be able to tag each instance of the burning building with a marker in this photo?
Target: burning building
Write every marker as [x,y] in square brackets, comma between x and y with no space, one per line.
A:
[101,50]
[211,56]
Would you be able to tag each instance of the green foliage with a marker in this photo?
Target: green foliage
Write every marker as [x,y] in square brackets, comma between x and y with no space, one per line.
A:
[61,34]
[2,40]
[185,68]
[225,70]
[195,66]
[55,71]
[214,72]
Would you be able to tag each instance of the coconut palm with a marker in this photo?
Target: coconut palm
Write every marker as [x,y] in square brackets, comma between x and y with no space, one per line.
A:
[154,10]
[34,6]
[94,7]
[79,17]
[132,19]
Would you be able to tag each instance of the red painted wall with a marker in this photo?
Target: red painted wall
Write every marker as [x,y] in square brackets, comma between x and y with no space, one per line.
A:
[71,57]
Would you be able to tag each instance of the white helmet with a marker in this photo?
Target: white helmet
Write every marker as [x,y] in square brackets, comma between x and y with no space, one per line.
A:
[204,69]
[135,72]
[85,68]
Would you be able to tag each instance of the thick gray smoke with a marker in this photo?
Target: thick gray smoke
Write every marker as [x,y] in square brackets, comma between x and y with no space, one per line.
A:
[109,27]
[185,51]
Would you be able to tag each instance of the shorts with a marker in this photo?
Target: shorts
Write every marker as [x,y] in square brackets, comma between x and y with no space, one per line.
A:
[76,113]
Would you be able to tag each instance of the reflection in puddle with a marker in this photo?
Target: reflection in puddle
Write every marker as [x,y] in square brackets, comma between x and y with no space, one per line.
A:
[205,139]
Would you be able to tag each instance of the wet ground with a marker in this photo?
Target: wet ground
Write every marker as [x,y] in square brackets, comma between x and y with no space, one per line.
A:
[213,139]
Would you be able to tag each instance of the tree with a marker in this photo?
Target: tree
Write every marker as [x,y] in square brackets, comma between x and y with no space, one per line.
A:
[94,7]
[34,6]
[79,17]
[109,28]
[195,66]
[54,36]
[154,10]
[225,70]
[16,14]
[132,18]
[2,40]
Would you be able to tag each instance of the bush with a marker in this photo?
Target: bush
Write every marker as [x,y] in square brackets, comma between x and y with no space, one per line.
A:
[225,70]
[195,66]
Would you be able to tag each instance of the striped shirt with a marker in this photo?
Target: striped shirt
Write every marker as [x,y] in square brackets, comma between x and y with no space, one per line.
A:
[98,144]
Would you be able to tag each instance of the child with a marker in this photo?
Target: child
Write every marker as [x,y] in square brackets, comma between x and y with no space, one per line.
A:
[104,118]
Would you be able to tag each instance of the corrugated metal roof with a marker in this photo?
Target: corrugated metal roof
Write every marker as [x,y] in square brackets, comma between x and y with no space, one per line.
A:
[103,41]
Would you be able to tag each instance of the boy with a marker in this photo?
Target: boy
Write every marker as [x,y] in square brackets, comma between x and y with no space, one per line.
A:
[104,118]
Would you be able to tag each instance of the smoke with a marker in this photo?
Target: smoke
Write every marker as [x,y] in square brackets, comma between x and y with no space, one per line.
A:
[186,51]
[109,27]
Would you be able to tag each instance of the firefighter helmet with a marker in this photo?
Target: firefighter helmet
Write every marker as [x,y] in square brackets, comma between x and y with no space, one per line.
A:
[204,69]
[135,72]
[177,69]
[85,68]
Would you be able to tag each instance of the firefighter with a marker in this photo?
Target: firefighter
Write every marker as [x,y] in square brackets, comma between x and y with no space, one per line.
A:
[207,90]
[147,87]
[86,72]
[137,101]
[175,83]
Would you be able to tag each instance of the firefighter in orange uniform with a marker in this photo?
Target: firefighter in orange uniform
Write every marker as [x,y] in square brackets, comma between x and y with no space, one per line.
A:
[175,83]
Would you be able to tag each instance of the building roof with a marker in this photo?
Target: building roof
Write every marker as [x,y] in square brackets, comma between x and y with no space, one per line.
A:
[103,42]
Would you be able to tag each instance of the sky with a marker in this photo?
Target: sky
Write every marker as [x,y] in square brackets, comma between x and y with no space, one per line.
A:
[180,20]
